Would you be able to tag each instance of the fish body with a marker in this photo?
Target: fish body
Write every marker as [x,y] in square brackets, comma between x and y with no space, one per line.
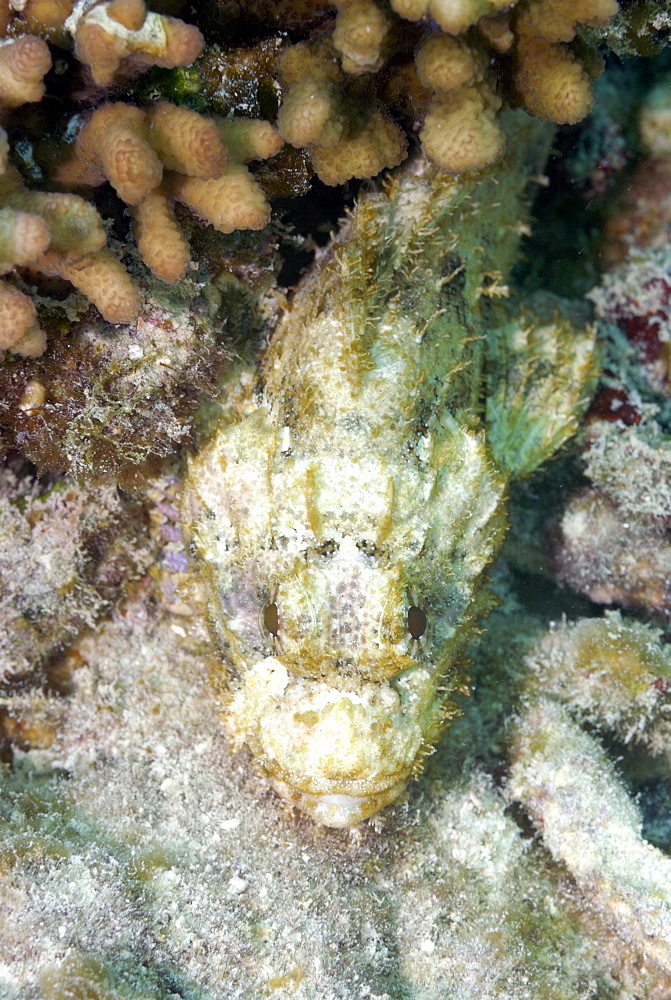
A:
[347,506]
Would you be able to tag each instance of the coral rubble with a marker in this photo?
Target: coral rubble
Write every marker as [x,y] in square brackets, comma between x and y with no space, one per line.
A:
[112,401]
[611,540]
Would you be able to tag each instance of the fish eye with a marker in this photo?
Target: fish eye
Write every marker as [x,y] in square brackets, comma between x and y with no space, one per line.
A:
[417,622]
[271,618]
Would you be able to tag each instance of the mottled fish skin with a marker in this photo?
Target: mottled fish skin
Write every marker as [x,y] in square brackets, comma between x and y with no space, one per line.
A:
[346,509]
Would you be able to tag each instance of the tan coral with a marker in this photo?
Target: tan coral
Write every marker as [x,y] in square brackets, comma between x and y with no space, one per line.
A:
[47,18]
[360,35]
[114,145]
[122,37]
[74,226]
[377,146]
[445,64]
[454,92]
[101,278]
[461,132]
[130,147]
[249,138]
[313,117]
[24,62]
[552,82]
[557,20]
[19,329]
[159,239]
[496,33]
[229,202]
[453,16]
[186,141]
[130,14]
[23,237]
[56,233]
[311,112]
[233,200]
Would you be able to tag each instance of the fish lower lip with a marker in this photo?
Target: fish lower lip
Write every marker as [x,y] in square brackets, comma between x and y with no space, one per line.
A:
[338,809]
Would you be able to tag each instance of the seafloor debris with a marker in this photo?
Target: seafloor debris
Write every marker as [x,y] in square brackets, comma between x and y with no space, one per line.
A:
[612,538]
[615,675]
[66,552]
[135,816]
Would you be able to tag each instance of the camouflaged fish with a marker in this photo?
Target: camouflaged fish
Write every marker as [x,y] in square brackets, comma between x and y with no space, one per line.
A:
[349,502]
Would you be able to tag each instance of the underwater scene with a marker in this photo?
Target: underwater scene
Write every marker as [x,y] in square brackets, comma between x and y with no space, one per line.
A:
[335,500]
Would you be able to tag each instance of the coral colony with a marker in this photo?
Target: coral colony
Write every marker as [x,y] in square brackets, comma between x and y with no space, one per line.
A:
[334,557]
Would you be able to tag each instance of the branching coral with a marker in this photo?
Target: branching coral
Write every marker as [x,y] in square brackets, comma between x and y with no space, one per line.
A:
[56,233]
[453,89]
[130,148]
[24,235]
[550,80]
[48,232]
[314,115]
[19,329]
[453,17]
[24,62]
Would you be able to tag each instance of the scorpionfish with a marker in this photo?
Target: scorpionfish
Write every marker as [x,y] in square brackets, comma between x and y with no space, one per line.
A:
[352,495]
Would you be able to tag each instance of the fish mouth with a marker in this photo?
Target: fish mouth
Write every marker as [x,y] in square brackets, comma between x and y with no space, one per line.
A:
[338,809]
